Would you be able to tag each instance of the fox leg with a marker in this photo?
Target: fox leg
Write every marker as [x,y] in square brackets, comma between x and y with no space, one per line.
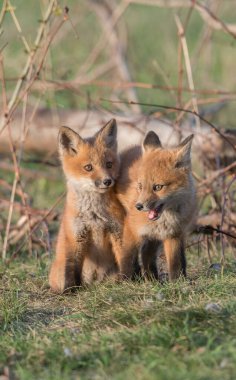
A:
[149,253]
[127,255]
[62,273]
[175,257]
[66,269]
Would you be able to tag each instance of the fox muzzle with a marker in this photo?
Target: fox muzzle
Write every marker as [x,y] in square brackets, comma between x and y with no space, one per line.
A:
[139,206]
[104,183]
[149,205]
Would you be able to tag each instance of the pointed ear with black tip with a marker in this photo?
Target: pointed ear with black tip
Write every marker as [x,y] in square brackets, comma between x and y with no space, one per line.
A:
[183,152]
[108,135]
[68,141]
[151,142]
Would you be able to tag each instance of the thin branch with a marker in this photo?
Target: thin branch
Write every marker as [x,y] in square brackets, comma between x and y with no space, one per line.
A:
[118,12]
[5,242]
[18,27]
[208,230]
[32,54]
[225,194]
[218,173]
[52,84]
[59,199]
[177,109]
[181,32]
[3,11]
[208,16]
[34,77]
[115,45]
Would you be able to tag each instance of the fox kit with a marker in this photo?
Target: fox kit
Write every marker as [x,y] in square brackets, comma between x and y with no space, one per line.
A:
[156,188]
[89,241]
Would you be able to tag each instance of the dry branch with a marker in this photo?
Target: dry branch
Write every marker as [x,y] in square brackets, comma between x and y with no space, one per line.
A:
[181,33]
[43,128]
[19,95]
[31,55]
[223,136]
[36,226]
[116,48]
[10,108]
[88,79]
[214,219]
[207,16]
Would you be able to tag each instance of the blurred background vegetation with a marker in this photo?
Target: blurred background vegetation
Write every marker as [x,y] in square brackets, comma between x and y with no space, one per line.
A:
[120,50]
[149,39]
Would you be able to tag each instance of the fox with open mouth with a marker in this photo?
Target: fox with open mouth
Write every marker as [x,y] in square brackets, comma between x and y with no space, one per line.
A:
[157,190]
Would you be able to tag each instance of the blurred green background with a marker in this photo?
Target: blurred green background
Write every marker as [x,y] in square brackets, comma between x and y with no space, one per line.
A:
[150,40]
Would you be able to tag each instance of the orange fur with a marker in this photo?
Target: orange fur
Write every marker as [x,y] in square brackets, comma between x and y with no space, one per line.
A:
[166,212]
[89,241]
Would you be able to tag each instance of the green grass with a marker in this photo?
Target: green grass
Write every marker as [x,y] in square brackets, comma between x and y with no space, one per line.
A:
[118,331]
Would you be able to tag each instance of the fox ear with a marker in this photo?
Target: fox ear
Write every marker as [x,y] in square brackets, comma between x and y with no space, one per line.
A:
[68,141]
[108,134]
[184,153]
[151,141]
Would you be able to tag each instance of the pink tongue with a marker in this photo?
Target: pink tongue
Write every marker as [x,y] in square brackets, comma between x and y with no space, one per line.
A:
[152,214]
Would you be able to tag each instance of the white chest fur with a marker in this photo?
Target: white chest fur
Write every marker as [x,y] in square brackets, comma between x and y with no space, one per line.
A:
[168,225]
[93,213]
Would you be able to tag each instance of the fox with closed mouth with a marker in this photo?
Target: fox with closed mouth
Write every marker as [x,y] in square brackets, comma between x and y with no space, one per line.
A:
[89,241]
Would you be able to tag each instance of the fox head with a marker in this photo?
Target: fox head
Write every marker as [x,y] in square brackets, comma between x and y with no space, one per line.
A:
[164,176]
[92,163]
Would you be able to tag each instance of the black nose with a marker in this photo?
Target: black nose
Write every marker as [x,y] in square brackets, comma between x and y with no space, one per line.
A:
[107,182]
[139,206]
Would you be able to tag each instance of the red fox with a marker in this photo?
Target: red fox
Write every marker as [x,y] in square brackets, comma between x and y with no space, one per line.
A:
[156,188]
[89,241]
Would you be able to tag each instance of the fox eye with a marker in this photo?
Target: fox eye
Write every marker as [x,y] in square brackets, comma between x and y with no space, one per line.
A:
[157,187]
[139,186]
[109,164]
[88,168]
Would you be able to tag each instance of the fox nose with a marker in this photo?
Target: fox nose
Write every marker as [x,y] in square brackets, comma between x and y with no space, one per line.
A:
[107,182]
[139,206]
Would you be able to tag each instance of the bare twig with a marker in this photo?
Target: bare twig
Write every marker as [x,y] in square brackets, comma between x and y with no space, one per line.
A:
[188,69]
[218,173]
[86,80]
[115,45]
[3,11]
[208,16]
[59,199]
[17,96]
[182,110]
[18,27]
[31,54]
[225,195]
[208,230]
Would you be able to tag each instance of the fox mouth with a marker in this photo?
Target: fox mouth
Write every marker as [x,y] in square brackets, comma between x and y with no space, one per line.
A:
[155,213]
[103,189]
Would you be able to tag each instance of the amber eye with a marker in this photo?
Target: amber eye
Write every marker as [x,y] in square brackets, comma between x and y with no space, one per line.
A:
[109,165]
[88,167]
[157,187]
[139,186]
